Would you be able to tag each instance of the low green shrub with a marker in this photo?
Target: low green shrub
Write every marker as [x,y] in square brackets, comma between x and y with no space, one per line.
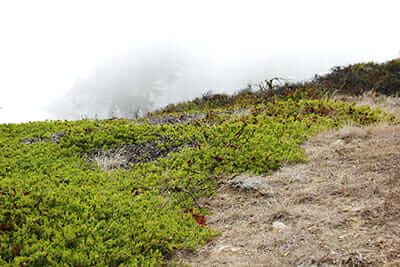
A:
[59,208]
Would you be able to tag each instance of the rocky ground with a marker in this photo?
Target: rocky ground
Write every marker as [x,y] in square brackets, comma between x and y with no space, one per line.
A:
[126,155]
[341,208]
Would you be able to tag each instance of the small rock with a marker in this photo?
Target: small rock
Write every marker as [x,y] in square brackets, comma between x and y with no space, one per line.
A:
[227,248]
[279,226]
[248,183]
[338,142]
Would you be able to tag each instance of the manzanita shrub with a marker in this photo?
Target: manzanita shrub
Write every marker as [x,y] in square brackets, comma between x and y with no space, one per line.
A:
[59,208]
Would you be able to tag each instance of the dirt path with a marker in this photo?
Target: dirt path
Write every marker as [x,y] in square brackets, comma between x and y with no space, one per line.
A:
[340,208]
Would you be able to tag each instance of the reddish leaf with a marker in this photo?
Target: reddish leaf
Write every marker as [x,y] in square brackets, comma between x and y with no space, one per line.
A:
[15,251]
[198,218]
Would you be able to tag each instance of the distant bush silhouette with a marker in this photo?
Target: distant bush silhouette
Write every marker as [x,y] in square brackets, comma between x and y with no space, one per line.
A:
[354,79]
[358,78]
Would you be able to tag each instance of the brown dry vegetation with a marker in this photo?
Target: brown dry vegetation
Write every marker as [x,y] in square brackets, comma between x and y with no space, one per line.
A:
[342,208]
[374,100]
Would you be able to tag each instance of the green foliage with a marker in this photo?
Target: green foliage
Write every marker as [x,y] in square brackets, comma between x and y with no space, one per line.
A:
[353,80]
[59,208]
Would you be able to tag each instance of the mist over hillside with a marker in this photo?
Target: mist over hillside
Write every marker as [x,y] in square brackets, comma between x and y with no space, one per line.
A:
[149,77]
[113,58]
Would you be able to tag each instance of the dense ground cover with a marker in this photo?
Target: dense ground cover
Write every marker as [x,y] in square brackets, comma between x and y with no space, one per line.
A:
[57,206]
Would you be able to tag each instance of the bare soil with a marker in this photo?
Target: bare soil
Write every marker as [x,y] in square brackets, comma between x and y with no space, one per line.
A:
[341,208]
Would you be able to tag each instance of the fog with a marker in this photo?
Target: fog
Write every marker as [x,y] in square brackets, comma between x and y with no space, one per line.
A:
[149,77]
[76,59]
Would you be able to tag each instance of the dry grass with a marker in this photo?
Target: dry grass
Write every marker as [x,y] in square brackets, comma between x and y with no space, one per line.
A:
[108,161]
[374,100]
[342,208]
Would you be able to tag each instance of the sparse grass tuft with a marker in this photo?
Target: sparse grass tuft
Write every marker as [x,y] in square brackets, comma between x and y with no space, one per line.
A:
[110,160]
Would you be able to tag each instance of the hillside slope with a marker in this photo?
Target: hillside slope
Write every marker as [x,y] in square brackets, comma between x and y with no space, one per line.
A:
[341,208]
[121,192]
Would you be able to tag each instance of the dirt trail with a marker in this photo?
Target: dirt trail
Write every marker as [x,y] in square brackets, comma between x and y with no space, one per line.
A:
[342,208]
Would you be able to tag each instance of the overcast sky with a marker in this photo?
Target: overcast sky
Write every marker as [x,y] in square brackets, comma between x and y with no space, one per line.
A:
[65,59]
